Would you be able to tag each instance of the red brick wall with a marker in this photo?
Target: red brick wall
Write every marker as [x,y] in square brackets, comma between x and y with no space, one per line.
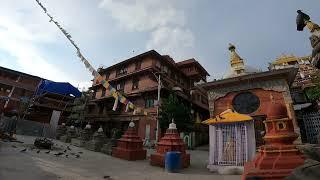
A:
[225,102]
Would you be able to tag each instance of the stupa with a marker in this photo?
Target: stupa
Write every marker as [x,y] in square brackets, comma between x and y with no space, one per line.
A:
[97,141]
[278,157]
[170,142]
[130,145]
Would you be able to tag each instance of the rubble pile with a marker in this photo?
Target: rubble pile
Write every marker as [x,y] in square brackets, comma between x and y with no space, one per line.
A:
[43,143]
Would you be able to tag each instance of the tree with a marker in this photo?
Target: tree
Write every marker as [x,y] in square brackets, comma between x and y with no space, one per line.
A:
[78,109]
[313,93]
[172,107]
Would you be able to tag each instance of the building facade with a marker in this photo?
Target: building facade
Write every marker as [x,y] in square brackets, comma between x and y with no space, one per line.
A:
[303,79]
[250,92]
[18,97]
[137,79]
[15,87]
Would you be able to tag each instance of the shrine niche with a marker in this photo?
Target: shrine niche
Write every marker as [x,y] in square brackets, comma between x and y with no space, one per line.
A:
[232,142]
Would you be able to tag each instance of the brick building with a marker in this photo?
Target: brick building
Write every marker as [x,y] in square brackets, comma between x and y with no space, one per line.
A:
[303,79]
[17,92]
[249,91]
[136,78]
[14,87]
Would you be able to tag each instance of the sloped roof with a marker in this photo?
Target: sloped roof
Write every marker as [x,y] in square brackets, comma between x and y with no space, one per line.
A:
[228,116]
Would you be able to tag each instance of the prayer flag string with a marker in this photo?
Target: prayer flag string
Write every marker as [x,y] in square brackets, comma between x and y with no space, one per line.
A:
[117,95]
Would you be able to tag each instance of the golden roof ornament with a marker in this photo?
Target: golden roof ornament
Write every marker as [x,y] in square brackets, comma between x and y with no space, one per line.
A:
[236,61]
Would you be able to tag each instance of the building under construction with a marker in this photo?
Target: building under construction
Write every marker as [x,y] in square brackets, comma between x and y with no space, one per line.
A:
[33,98]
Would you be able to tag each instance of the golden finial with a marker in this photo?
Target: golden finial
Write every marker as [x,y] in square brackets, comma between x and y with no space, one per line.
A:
[236,61]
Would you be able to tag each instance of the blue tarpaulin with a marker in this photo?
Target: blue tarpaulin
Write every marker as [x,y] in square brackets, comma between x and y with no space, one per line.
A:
[62,88]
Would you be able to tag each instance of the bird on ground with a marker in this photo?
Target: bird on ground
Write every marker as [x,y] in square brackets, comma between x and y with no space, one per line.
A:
[24,150]
[58,154]
[38,151]
[77,155]
[47,152]
[65,151]
[106,177]
[67,155]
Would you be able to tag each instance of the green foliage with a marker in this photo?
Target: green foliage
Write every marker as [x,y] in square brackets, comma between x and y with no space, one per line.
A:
[79,108]
[172,107]
[313,93]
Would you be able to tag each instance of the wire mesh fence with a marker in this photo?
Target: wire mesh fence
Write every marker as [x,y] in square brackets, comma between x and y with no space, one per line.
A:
[231,144]
[312,126]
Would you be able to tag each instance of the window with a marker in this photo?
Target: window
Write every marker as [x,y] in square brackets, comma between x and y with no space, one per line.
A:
[120,86]
[246,103]
[165,69]
[135,83]
[149,103]
[101,109]
[107,76]
[103,92]
[158,64]
[121,71]
[138,65]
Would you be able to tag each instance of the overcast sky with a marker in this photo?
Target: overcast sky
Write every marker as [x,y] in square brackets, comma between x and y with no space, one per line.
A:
[109,31]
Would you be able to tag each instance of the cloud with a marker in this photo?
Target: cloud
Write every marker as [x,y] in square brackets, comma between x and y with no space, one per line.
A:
[174,40]
[23,30]
[161,18]
[143,15]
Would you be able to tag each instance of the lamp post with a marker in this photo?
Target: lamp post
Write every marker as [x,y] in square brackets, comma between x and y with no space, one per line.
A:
[158,78]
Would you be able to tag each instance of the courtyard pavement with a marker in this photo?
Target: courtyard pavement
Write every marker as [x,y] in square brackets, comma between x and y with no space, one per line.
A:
[35,165]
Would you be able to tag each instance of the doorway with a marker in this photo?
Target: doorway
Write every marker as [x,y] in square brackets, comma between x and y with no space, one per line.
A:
[259,129]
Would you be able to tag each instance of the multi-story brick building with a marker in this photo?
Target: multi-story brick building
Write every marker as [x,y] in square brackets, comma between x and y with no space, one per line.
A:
[303,79]
[17,95]
[14,86]
[136,78]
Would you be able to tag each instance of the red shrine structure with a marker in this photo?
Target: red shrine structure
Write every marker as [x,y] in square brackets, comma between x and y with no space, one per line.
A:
[170,142]
[278,157]
[130,146]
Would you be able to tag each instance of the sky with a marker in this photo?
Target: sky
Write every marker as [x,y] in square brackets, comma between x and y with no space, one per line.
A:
[110,31]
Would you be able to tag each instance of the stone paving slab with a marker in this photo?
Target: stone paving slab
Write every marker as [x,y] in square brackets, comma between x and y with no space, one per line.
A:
[91,165]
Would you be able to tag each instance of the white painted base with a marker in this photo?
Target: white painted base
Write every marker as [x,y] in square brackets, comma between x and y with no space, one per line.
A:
[226,170]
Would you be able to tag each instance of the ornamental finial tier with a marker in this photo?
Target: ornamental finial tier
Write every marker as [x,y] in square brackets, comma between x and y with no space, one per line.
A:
[236,61]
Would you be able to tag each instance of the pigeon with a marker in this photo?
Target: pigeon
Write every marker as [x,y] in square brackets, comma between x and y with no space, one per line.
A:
[14,146]
[47,152]
[38,151]
[24,150]
[58,154]
[68,148]
[77,155]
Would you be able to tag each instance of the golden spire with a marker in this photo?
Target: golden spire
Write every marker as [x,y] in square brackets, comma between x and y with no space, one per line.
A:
[236,61]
